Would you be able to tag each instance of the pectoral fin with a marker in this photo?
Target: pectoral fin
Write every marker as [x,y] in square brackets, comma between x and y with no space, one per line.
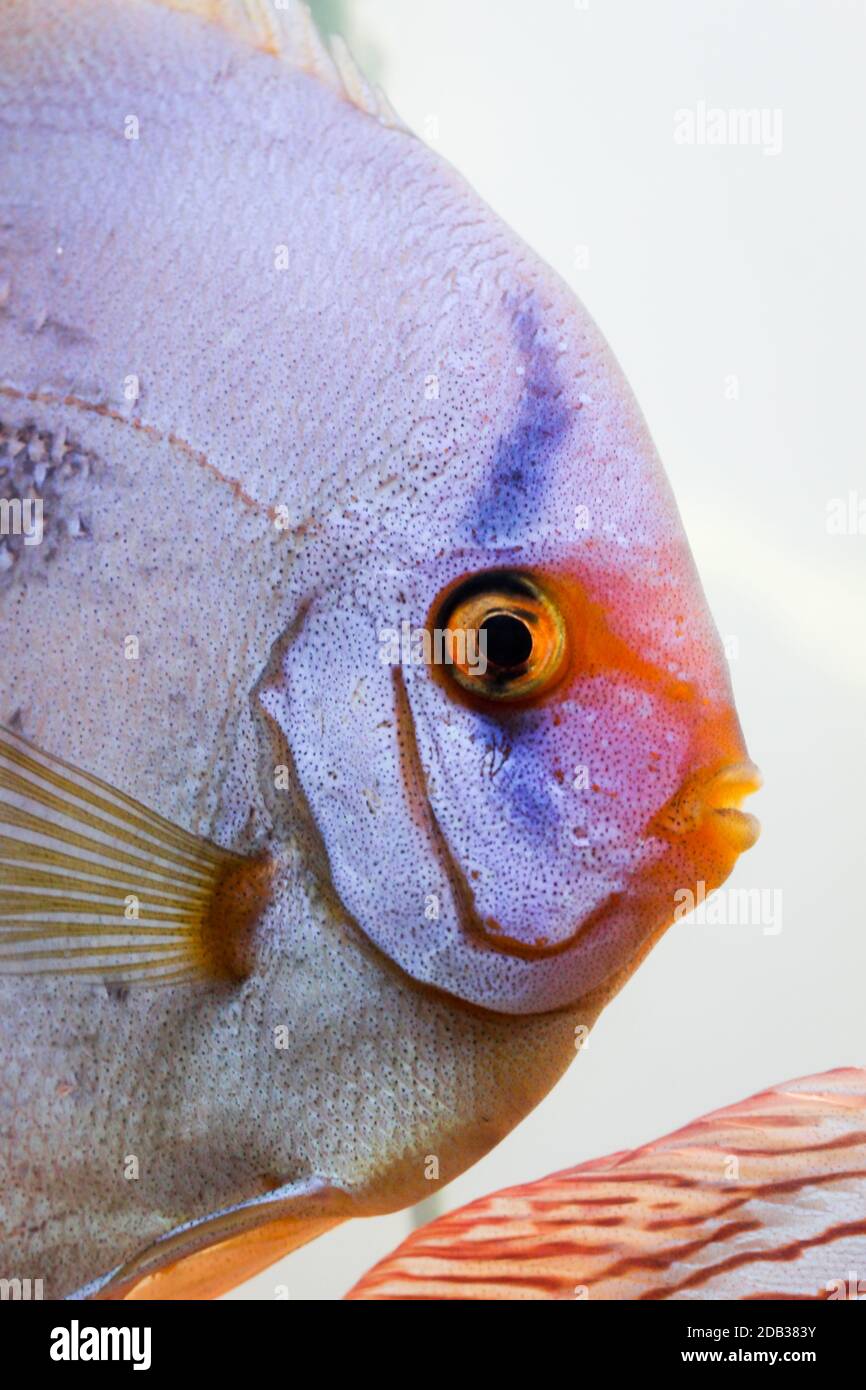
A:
[93,884]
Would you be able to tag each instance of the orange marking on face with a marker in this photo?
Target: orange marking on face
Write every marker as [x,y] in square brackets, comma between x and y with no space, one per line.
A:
[591,647]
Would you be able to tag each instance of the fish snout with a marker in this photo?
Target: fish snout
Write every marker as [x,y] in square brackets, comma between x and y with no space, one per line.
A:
[705,812]
[723,794]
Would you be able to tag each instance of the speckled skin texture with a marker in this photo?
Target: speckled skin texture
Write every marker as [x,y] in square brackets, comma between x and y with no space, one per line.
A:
[284,277]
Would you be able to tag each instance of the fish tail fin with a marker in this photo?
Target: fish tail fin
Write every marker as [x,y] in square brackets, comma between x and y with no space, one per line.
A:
[93,884]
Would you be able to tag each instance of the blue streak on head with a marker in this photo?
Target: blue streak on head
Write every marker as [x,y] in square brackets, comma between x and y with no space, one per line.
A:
[519,471]
[520,782]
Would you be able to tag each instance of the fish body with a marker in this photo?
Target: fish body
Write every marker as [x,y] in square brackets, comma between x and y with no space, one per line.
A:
[763,1199]
[286,390]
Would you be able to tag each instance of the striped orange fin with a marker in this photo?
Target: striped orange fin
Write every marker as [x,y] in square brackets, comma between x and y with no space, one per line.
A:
[765,1199]
[93,884]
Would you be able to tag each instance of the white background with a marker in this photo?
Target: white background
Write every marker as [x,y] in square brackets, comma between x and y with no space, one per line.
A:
[703,262]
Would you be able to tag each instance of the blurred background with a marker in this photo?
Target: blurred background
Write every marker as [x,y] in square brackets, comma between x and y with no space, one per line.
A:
[729,281]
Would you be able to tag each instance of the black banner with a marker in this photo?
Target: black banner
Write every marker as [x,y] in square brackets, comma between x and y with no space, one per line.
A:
[79,1338]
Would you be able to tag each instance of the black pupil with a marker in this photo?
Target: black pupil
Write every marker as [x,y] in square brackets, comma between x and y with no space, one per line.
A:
[509,641]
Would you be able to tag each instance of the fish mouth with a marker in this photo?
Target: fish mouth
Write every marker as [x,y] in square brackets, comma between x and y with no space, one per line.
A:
[723,794]
[710,799]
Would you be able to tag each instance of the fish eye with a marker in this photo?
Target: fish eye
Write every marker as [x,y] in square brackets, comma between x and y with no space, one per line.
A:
[501,634]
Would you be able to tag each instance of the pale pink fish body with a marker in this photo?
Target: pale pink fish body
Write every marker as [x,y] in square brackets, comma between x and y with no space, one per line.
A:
[283,383]
[764,1199]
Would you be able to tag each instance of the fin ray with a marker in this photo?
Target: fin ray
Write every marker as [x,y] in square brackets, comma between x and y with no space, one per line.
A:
[291,35]
[94,883]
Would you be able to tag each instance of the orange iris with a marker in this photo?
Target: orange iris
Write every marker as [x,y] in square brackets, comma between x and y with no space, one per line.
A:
[505,635]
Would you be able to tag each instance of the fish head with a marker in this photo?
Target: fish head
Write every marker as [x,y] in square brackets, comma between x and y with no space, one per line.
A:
[522,750]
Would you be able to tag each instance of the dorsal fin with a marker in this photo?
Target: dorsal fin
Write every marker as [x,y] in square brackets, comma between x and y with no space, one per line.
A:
[287,29]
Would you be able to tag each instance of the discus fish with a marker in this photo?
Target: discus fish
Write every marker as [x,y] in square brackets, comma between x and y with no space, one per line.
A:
[363,713]
[764,1199]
